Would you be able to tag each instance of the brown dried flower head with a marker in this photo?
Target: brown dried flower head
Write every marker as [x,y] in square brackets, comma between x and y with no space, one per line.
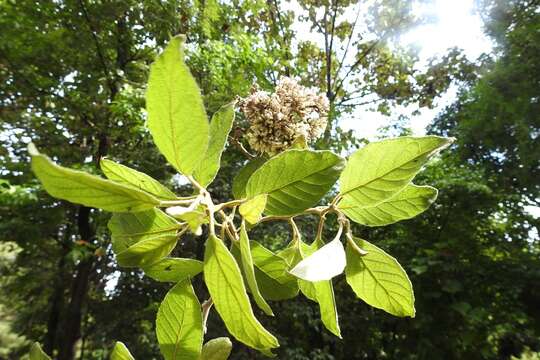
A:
[276,120]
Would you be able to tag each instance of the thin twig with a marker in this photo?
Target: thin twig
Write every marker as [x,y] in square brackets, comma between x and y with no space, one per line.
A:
[99,51]
[353,66]
[227,204]
[296,232]
[241,147]
[349,41]
[320,227]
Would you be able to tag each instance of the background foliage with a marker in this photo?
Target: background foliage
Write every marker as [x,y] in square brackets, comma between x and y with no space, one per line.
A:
[72,80]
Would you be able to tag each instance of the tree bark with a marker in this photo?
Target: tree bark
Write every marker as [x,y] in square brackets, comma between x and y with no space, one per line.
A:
[79,288]
[57,301]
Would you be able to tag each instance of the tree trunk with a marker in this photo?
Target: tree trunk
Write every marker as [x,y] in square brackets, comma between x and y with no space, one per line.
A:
[57,298]
[79,288]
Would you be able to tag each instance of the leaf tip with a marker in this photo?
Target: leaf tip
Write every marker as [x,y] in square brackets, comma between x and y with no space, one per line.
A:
[32,149]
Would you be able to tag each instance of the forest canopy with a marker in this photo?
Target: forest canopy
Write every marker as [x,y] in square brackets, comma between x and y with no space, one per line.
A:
[74,78]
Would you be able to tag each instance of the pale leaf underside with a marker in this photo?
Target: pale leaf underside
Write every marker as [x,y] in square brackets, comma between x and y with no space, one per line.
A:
[381,169]
[143,238]
[89,190]
[179,324]
[121,352]
[321,292]
[176,116]
[406,204]
[295,180]
[224,281]
[379,280]
[122,174]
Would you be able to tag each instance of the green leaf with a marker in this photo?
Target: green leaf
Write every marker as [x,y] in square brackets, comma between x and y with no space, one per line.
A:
[274,265]
[406,204]
[271,289]
[379,280]
[89,190]
[36,353]
[224,281]
[127,176]
[176,116]
[292,254]
[220,127]
[173,269]
[179,327]
[121,352]
[322,292]
[381,169]
[295,180]
[271,273]
[241,179]
[247,264]
[217,349]
[252,209]
[143,238]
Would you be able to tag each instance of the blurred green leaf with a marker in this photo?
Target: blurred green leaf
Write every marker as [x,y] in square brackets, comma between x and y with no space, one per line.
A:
[217,349]
[36,353]
[121,352]
[173,269]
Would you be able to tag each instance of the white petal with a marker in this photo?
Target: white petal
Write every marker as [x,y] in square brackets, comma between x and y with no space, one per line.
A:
[323,264]
[177,210]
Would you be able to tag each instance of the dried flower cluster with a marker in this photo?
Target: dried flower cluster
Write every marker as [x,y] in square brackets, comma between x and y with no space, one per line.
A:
[276,120]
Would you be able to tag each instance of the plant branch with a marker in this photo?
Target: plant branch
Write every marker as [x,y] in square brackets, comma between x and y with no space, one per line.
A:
[296,232]
[99,51]
[355,65]
[340,66]
[320,227]
[229,204]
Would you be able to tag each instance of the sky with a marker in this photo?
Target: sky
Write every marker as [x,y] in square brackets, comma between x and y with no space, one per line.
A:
[452,23]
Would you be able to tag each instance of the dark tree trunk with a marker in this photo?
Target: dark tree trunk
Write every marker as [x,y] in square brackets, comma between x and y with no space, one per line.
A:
[57,300]
[79,288]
